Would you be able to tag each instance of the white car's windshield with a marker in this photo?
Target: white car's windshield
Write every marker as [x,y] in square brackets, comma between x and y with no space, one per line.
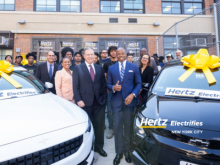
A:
[30,85]
[197,80]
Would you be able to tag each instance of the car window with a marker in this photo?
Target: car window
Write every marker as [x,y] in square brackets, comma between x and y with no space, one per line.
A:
[27,80]
[197,80]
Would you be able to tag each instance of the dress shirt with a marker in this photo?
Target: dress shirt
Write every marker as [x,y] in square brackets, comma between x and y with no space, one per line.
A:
[89,66]
[119,63]
[124,64]
[48,67]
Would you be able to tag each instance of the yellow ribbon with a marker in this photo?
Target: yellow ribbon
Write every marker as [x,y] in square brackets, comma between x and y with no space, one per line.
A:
[5,69]
[203,61]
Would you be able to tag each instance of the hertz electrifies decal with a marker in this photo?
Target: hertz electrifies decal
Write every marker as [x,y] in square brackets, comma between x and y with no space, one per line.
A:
[192,93]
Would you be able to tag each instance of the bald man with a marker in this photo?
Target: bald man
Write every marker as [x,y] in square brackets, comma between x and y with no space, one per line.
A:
[46,71]
[124,81]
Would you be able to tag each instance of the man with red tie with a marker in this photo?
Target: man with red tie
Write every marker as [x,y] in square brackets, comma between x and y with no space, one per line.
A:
[90,93]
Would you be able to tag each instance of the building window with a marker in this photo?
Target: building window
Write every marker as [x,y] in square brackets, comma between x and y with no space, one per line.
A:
[46,5]
[170,45]
[4,53]
[133,6]
[58,5]
[171,8]
[182,6]
[70,5]
[7,4]
[122,6]
[192,8]
[110,6]
[186,43]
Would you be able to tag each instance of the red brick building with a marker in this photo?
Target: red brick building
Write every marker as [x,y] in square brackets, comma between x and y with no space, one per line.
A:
[98,21]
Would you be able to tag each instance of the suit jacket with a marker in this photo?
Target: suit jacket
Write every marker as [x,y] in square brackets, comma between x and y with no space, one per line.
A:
[43,75]
[131,83]
[64,85]
[85,89]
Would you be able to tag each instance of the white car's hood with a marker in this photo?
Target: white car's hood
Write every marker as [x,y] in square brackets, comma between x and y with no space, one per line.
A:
[25,117]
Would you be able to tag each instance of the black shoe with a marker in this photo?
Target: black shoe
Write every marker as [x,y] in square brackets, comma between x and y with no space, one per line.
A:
[101,152]
[117,159]
[127,157]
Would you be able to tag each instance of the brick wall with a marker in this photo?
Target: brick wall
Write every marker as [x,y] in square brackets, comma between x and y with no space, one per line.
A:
[23,41]
[212,50]
[90,6]
[24,5]
[153,6]
[208,3]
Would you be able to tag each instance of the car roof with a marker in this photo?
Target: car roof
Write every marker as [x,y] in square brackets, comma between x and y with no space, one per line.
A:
[19,68]
[175,62]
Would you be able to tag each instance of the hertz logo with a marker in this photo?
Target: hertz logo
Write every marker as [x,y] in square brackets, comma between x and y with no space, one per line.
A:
[154,123]
[43,43]
[112,44]
[135,45]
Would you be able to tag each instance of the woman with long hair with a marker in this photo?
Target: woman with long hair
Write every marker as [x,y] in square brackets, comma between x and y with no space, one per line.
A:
[147,73]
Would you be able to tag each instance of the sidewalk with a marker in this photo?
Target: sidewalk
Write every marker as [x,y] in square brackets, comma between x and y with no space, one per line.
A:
[109,147]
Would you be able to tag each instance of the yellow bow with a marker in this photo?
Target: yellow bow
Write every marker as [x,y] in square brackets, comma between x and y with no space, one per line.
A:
[25,62]
[203,61]
[5,68]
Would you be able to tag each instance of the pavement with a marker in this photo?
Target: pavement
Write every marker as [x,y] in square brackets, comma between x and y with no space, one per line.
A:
[109,147]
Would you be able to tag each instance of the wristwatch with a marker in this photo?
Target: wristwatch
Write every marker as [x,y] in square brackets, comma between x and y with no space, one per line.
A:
[134,95]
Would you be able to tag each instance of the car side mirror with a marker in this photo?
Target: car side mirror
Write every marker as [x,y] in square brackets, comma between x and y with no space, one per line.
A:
[48,85]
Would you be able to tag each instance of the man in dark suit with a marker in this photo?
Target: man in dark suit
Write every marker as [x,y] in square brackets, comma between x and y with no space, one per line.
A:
[124,80]
[46,71]
[90,93]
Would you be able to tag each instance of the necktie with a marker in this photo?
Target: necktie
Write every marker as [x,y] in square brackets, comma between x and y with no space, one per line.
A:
[92,73]
[50,71]
[122,71]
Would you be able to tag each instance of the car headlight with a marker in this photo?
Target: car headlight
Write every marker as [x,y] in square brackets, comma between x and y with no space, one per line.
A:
[139,131]
[89,126]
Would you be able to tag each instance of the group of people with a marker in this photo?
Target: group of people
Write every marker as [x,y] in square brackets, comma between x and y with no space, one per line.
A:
[94,83]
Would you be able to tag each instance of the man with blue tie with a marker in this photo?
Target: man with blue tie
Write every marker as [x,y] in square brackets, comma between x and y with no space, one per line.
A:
[124,80]
[46,71]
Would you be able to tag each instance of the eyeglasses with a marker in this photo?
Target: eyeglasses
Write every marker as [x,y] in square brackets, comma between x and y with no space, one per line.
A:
[104,52]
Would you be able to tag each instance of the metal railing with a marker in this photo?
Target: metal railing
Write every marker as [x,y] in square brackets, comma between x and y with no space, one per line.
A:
[183,36]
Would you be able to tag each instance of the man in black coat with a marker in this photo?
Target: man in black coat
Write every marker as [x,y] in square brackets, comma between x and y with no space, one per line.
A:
[90,93]
[46,71]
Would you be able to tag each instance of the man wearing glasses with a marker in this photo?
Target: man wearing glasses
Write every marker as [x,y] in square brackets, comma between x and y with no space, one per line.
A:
[104,55]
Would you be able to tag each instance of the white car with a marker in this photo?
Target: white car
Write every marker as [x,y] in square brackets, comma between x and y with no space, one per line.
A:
[40,128]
